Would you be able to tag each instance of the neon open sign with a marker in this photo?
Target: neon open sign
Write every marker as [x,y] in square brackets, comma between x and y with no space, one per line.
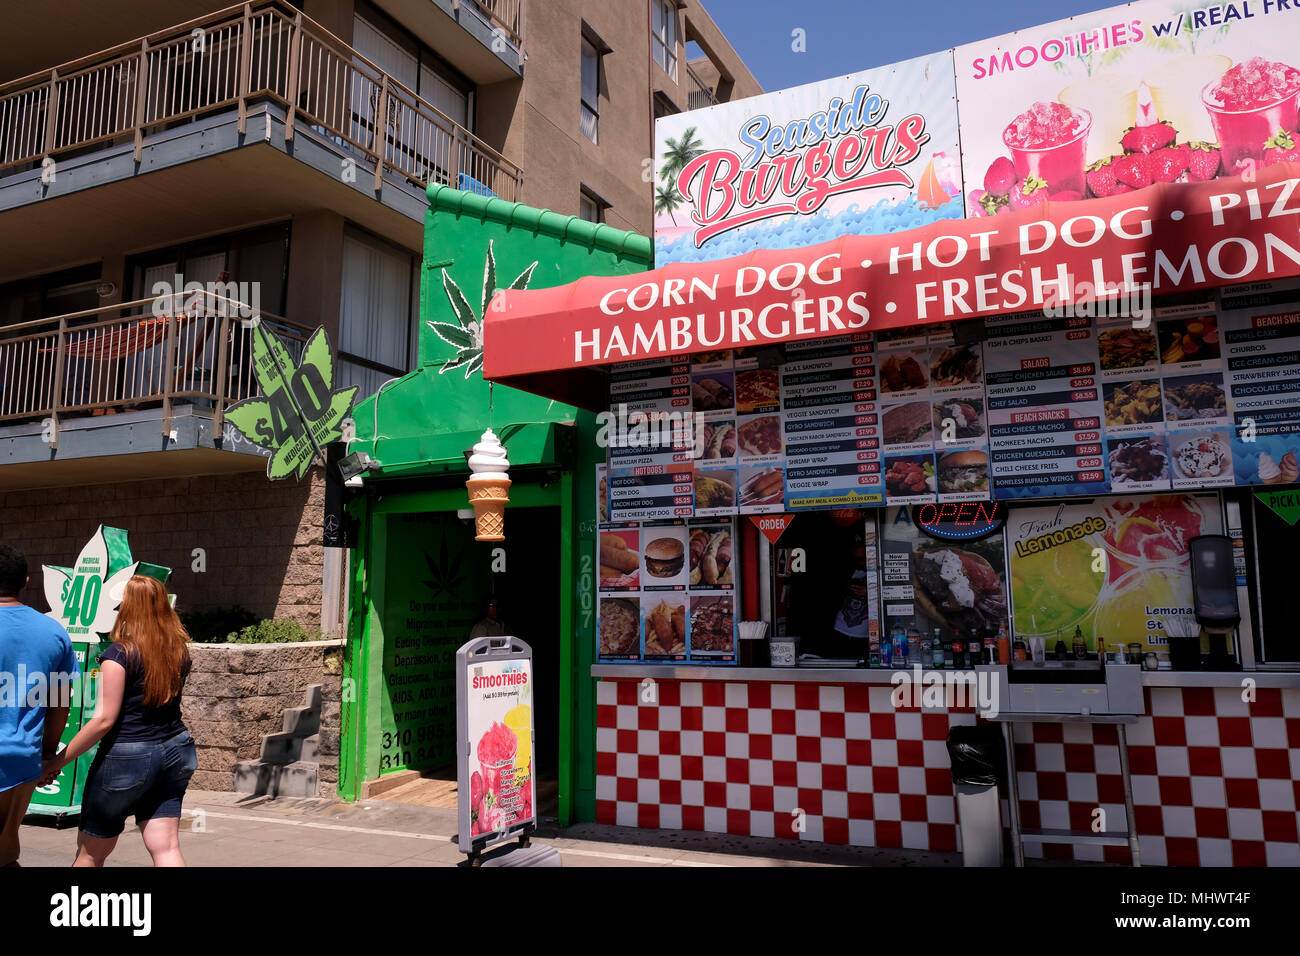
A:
[967,521]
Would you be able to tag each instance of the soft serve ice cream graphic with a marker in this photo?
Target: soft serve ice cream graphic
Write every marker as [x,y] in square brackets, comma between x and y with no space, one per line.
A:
[489,487]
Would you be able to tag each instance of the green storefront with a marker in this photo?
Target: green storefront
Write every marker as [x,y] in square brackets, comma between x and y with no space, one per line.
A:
[419,580]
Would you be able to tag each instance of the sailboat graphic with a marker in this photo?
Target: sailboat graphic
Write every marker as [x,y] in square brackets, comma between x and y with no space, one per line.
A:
[930,193]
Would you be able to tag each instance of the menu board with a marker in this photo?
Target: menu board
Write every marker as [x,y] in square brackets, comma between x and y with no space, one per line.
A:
[831,424]
[649,438]
[1203,392]
[667,591]
[1261,346]
[1044,406]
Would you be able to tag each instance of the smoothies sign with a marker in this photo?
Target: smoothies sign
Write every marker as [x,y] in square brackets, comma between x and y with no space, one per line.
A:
[1117,569]
[1111,101]
[495,724]
[869,153]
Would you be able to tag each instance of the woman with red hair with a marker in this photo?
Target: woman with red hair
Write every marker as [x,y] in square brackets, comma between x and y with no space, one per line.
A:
[146,756]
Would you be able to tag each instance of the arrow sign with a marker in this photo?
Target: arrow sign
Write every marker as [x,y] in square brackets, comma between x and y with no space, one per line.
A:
[772,526]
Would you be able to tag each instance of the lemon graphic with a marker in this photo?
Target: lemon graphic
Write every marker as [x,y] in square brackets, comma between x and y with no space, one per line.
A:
[1056,590]
[519,720]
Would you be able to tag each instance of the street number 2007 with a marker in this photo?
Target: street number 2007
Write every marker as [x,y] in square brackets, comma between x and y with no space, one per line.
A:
[584,596]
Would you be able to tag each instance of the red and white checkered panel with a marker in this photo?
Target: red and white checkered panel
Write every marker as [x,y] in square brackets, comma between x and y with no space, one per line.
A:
[1213,777]
[821,762]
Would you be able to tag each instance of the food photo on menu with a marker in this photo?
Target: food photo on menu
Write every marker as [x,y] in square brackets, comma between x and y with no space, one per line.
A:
[963,415]
[1132,402]
[1195,397]
[1126,348]
[713,392]
[715,489]
[757,390]
[963,472]
[761,486]
[959,365]
[665,626]
[620,559]
[908,422]
[710,550]
[620,627]
[904,371]
[1268,460]
[664,557]
[759,435]
[1200,457]
[717,439]
[1135,463]
[1189,340]
[713,629]
[910,476]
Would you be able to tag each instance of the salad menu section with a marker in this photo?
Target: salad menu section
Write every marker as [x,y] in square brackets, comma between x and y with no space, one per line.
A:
[1201,393]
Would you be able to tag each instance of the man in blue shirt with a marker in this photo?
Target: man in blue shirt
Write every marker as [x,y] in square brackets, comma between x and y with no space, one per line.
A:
[37,666]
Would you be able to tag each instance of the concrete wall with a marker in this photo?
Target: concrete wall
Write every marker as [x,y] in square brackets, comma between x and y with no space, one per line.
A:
[261,539]
[236,693]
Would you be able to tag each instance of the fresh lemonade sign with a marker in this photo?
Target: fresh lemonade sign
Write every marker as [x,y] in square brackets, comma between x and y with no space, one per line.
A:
[299,411]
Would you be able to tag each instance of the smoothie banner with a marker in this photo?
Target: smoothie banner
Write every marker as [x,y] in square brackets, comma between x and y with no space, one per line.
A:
[868,153]
[1052,257]
[497,791]
[1117,569]
[1111,101]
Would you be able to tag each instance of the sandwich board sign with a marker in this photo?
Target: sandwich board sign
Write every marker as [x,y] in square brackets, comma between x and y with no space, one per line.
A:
[496,791]
[84,599]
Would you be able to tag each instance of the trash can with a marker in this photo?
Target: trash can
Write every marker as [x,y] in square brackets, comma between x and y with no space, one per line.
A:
[979,764]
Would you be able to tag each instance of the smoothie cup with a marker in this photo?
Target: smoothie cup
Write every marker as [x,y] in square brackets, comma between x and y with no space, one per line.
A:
[1242,133]
[496,757]
[1059,162]
[519,720]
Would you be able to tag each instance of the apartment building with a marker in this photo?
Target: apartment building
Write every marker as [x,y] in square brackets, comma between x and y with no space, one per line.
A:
[276,154]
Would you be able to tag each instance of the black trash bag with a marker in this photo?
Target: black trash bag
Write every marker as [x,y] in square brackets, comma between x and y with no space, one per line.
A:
[978,755]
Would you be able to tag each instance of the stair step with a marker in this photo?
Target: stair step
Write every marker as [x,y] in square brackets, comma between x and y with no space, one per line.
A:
[301,721]
[298,779]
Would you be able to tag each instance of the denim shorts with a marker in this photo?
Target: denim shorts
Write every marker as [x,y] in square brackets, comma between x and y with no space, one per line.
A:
[142,777]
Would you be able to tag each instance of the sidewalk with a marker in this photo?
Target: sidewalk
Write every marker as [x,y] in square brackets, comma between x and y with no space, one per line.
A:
[230,829]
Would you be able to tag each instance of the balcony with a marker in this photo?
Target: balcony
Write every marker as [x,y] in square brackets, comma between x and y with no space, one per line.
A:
[698,93]
[483,39]
[118,379]
[232,62]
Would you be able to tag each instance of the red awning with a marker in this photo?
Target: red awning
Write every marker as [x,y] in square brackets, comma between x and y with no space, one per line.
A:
[558,342]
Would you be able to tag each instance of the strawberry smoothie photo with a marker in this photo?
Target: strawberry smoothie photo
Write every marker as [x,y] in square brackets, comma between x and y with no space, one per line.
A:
[1117,100]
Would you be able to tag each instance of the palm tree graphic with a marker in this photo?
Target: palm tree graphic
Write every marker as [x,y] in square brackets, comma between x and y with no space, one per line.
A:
[677,153]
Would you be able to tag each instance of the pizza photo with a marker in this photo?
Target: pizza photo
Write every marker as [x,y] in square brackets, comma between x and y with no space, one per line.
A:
[757,390]
[761,435]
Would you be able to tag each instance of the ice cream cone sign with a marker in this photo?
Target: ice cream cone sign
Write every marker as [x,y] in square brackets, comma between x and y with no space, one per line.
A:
[489,488]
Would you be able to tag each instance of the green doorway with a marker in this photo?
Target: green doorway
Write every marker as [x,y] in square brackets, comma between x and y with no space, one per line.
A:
[425,583]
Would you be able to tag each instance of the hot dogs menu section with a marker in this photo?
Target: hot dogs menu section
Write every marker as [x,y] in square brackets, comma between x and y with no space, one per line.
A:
[666,589]
[1198,393]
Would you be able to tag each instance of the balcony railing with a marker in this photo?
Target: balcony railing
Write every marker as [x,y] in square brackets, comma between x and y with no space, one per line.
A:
[125,357]
[508,15]
[258,52]
[698,93]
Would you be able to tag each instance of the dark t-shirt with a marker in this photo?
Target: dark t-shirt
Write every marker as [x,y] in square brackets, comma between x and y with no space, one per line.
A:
[136,721]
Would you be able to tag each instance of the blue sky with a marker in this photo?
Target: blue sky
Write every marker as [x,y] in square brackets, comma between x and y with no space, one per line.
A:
[844,36]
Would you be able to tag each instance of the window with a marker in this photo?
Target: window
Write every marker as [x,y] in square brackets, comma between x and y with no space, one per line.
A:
[663,34]
[377,313]
[590,89]
[589,208]
[663,105]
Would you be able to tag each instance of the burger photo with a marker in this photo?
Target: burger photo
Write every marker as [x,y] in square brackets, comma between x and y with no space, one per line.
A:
[963,471]
[665,557]
[958,588]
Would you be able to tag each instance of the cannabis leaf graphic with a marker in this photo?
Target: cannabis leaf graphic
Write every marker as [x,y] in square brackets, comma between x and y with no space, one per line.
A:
[84,598]
[300,411]
[444,576]
[467,336]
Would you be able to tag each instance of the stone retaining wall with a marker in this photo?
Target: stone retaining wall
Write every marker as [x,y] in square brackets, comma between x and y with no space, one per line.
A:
[236,693]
